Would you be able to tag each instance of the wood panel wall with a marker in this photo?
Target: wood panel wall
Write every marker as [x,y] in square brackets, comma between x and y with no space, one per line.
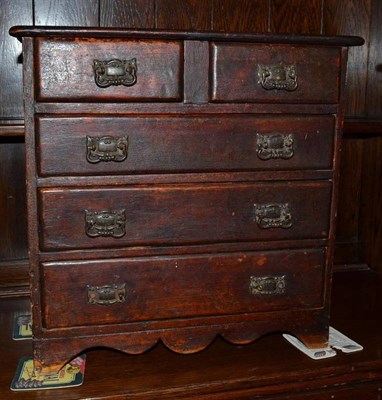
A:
[360,215]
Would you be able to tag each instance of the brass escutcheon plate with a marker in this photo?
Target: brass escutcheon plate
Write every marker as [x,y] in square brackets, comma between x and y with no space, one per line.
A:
[106,295]
[278,77]
[115,72]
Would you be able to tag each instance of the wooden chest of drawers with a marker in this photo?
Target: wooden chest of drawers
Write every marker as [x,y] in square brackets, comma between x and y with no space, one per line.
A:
[180,186]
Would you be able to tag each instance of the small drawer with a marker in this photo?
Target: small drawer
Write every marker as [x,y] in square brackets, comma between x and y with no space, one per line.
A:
[108,70]
[139,145]
[181,214]
[160,288]
[274,73]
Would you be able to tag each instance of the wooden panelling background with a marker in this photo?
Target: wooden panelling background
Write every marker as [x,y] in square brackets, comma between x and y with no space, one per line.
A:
[360,213]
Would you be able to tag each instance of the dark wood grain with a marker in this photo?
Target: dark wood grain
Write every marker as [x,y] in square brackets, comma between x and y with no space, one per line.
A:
[240,16]
[196,71]
[183,109]
[188,15]
[178,178]
[12,13]
[139,251]
[374,69]
[202,286]
[182,214]
[347,250]
[362,126]
[233,60]
[183,144]
[30,166]
[111,33]
[197,212]
[341,18]
[66,12]
[127,13]
[190,335]
[296,16]
[224,371]
[66,70]
[13,243]
[14,277]
[371,200]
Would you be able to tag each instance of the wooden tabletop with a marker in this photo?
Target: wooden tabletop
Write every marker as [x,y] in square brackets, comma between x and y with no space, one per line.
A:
[269,367]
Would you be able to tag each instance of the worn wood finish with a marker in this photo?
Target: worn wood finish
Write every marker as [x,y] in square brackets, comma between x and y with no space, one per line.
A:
[223,371]
[201,286]
[184,109]
[65,70]
[353,128]
[235,73]
[205,204]
[127,13]
[30,164]
[183,144]
[183,214]
[359,17]
[217,248]
[178,178]
[77,32]
[309,325]
[196,83]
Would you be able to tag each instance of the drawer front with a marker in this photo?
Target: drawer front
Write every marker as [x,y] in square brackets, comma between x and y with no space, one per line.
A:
[98,146]
[144,289]
[173,215]
[108,70]
[274,73]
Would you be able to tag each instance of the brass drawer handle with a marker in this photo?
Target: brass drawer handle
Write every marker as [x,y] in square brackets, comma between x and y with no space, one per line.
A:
[106,148]
[267,285]
[115,72]
[274,146]
[276,215]
[106,295]
[278,77]
[105,223]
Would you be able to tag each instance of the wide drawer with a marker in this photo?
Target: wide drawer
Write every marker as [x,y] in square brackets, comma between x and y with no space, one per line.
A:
[274,73]
[144,289]
[133,145]
[108,70]
[180,214]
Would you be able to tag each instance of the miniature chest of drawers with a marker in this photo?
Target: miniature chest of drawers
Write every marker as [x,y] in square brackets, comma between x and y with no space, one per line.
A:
[180,186]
